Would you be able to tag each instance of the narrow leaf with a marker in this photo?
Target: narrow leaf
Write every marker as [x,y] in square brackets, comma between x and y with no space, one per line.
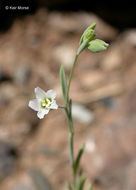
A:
[82,46]
[69,119]
[89,187]
[63,82]
[76,164]
[71,148]
[80,182]
[40,181]
[70,109]
[68,186]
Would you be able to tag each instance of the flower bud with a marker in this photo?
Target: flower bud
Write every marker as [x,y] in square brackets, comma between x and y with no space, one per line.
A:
[88,34]
[97,45]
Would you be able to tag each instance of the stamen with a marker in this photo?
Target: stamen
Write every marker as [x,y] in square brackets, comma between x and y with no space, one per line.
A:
[45,103]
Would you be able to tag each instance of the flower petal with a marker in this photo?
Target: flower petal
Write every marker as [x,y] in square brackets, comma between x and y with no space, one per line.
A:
[40,94]
[42,113]
[51,94]
[54,105]
[34,104]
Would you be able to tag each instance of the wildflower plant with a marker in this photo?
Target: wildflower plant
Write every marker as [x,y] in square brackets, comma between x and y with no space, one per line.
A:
[46,100]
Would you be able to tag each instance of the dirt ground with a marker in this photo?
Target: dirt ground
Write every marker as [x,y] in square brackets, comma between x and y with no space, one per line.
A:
[104,84]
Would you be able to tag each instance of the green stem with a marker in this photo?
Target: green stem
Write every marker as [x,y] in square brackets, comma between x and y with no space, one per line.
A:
[71,148]
[70,142]
[80,49]
[68,110]
[69,119]
[70,77]
[62,107]
[71,136]
[70,122]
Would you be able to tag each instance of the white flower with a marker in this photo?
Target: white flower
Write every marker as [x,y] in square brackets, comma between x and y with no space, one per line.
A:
[44,102]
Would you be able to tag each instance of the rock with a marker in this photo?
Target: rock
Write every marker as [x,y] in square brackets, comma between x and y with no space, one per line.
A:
[8,156]
[90,145]
[130,36]
[24,128]
[40,181]
[22,74]
[4,76]
[91,79]
[78,22]
[105,91]
[116,135]
[113,59]
[7,93]
[82,114]
[21,187]
[125,43]
[109,102]
[64,55]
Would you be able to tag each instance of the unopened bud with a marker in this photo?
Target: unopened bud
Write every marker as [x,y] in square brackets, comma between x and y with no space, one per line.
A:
[88,34]
[97,45]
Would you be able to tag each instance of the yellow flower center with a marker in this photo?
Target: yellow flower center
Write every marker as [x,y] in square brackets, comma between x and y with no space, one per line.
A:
[46,102]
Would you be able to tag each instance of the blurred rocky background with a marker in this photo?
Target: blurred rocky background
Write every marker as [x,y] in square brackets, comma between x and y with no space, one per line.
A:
[33,45]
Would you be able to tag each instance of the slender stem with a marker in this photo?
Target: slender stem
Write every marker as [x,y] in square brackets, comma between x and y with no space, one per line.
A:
[80,49]
[70,123]
[70,140]
[71,148]
[63,107]
[68,110]
[70,77]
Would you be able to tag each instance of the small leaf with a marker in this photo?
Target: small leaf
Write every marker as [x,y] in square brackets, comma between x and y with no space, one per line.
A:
[89,187]
[80,182]
[76,164]
[63,82]
[82,46]
[40,181]
[71,147]
[70,109]
[68,186]
[69,119]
